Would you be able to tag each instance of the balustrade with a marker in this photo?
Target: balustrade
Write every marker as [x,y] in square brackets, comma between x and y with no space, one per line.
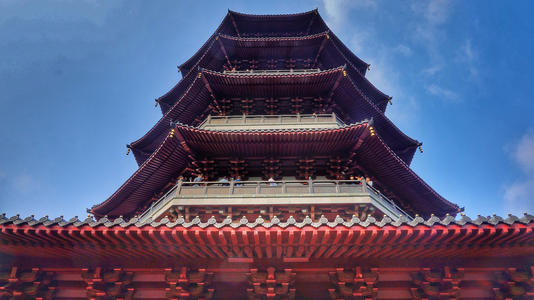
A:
[274,193]
[273,71]
[307,120]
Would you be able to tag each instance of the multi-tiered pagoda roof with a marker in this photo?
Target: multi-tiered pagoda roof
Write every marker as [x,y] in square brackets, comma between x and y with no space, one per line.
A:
[276,65]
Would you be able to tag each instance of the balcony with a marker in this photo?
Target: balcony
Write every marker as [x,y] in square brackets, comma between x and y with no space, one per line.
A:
[272,72]
[278,193]
[251,122]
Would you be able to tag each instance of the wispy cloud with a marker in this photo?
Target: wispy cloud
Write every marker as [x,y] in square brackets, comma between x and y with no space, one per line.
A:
[523,153]
[376,51]
[442,93]
[337,11]
[404,50]
[24,184]
[432,70]
[467,56]
[435,12]
[429,16]
[519,195]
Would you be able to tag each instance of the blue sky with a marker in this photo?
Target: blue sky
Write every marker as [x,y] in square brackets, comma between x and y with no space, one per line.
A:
[78,81]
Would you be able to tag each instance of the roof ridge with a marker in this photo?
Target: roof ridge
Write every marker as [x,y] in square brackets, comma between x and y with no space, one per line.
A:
[316,10]
[265,38]
[433,220]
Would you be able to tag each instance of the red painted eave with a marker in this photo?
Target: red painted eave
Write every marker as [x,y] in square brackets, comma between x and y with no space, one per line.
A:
[167,160]
[374,155]
[121,241]
[197,97]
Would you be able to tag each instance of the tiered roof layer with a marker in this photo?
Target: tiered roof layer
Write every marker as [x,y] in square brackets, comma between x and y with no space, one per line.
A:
[171,157]
[331,83]
[158,243]
[162,157]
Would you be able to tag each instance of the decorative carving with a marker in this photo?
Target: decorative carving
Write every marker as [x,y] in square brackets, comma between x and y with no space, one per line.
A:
[271,284]
[319,105]
[225,106]
[207,168]
[271,168]
[353,284]
[105,284]
[238,167]
[186,284]
[337,168]
[306,168]
[271,64]
[246,106]
[432,283]
[296,105]
[514,283]
[272,106]
[31,284]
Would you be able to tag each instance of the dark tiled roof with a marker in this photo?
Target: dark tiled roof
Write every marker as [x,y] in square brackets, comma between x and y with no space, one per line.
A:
[305,46]
[374,154]
[260,222]
[347,95]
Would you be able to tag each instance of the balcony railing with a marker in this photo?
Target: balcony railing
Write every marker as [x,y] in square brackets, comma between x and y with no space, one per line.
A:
[271,72]
[272,121]
[286,192]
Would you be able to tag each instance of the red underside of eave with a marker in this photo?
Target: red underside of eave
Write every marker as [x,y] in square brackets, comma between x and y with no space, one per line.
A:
[171,158]
[148,245]
[198,97]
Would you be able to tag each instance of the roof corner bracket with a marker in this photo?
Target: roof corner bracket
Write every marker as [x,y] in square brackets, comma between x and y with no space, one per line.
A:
[224,52]
[315,15]
[323,44]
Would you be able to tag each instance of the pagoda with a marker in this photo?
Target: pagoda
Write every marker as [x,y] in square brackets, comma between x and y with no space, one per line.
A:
[273,173]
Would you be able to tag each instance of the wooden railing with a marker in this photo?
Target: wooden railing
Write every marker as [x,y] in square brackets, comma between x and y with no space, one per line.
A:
[262,189]
[297,119]
[278,72]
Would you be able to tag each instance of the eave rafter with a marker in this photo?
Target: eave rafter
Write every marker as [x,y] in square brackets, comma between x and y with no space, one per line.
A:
[308,28]
[207,77]
[233,39]
[334,87]
[217,106]
[234,24]
[223,49]
[323,43]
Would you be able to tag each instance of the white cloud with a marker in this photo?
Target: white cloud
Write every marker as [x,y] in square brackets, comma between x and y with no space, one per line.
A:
[468,57]
[441,92]
[388,79]
[523,153]
[369,46]
[435,12]
[519,195]
[338,10]
[95,12]
[468,52]
[24,184]
[404,50]
[429,16]
[432,70]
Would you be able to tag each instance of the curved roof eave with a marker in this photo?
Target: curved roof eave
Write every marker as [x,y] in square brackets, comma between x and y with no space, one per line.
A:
[139,144]
[153,174]
[413,142]
[139,179]
[165,117]
[186,64]
[390,161]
